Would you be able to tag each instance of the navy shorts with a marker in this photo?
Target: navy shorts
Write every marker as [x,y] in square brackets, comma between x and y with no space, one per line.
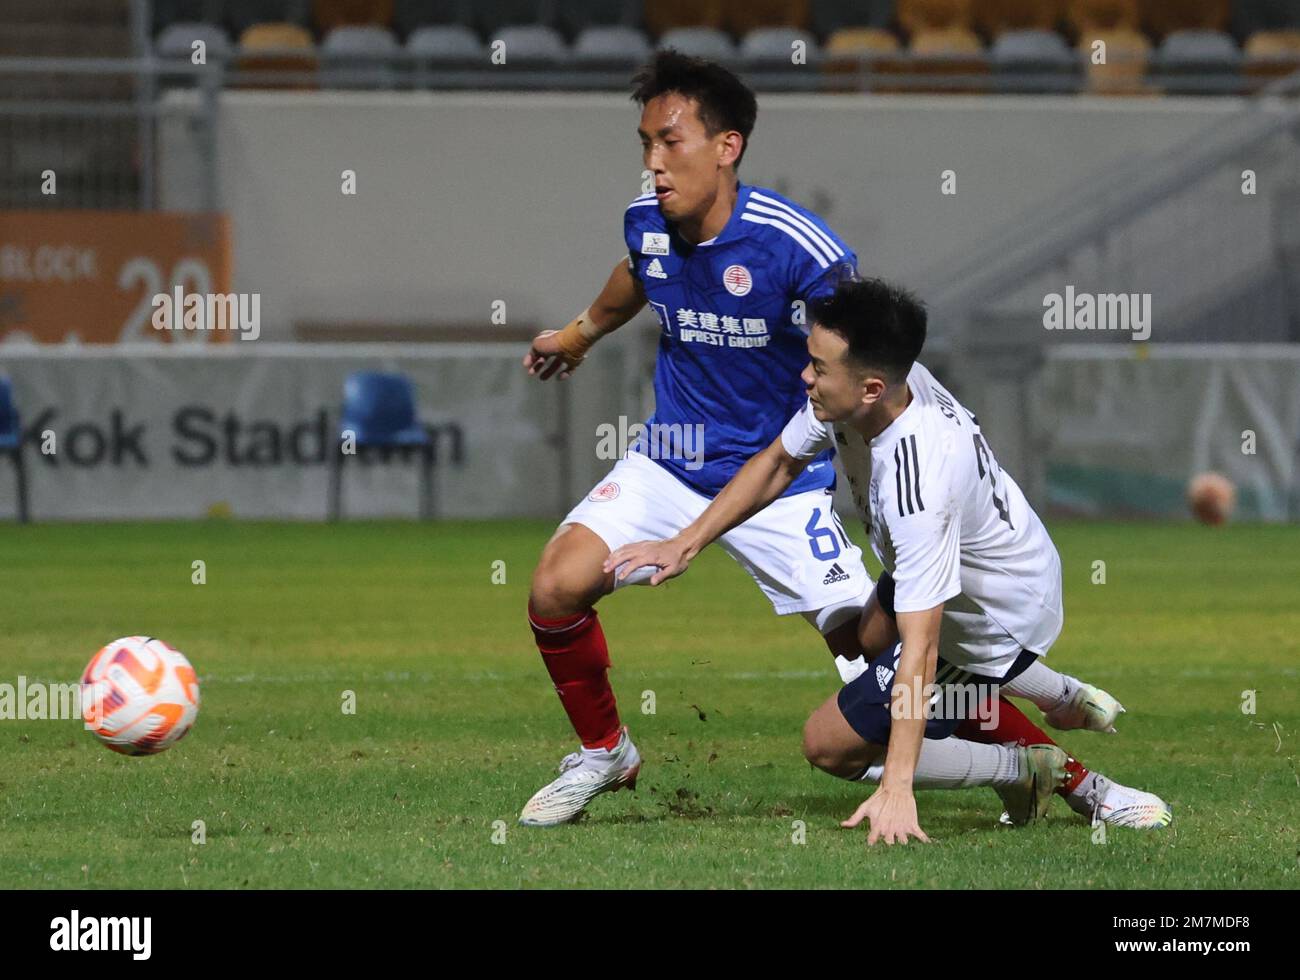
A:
[864,702]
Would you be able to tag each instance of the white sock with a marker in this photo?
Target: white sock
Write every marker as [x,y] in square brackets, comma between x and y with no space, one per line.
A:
[953,763]
[638,576]
[1077,798]
[850,670]
[1041,685]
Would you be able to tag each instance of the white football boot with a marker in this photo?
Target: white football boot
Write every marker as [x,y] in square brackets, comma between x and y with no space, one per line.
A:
[1089,707]
[1117,805]
[583,775]
[1042,770]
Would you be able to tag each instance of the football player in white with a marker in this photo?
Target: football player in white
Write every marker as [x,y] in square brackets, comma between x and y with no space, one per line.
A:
[972,583]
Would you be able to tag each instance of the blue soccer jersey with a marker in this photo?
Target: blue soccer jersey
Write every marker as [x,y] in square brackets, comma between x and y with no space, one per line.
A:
[733,311]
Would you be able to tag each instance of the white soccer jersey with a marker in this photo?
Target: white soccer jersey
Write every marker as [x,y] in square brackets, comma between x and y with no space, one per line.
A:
[949,526]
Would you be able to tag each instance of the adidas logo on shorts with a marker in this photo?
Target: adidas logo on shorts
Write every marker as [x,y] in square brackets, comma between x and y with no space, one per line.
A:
[836,574]
[883,676]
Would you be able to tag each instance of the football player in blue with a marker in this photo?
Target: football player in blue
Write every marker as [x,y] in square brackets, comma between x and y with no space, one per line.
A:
[729,269]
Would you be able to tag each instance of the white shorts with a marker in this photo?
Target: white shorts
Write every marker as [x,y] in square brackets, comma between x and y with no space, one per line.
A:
[795,548]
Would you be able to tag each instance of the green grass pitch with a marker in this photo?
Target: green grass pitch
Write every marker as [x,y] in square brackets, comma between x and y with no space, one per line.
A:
[456,723]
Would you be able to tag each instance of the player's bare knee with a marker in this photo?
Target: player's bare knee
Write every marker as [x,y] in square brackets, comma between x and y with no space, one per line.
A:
[562,585]
[818,749]
[551,595]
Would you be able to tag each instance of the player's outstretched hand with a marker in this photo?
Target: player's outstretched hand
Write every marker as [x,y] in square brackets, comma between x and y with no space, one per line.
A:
[668,556]
[893,817]
[546,357]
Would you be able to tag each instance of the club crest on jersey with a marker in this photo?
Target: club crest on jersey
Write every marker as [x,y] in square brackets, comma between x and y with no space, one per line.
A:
[654,243]
[737,280]
[606,491]
[655,270]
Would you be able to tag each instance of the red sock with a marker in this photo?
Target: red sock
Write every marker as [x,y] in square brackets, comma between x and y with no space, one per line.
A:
[1014,726]
[574,651]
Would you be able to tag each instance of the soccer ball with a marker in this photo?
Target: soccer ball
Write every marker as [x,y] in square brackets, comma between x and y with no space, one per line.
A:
[1212,497]
[139,695]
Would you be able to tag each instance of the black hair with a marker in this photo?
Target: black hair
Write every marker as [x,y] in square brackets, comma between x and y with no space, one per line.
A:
[883,324]
[724,101]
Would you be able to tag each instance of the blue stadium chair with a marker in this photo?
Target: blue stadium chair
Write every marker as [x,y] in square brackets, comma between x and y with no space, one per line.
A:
[177,41]
[440,45]
[1038,56]
[11,443]
[770,48]
[358,57]
[700,42]
[379,410]
[1198,62]
[610,47]
[531,46]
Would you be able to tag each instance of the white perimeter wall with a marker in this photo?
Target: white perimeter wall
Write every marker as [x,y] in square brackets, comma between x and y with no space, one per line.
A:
[464,199]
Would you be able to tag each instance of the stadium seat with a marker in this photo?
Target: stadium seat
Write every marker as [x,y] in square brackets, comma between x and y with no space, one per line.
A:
[1041,54]
[772,48]
[950,51]
[916,16]
[531,45]
[329,14]
[575,16]
[1127,55]
[946,42]
[1272,54]
[701,42]
[611,47]
[855,42]
[276,56]
[1198,61]
[828,17]
[243,14]
[490,17]
[1161,18]
[177,41]
[11,444]
[410,15]
[741,17]
[446,45]
[993,17]
[852,51]
[356,56]
[379,411]
[1090,17]
[662,16]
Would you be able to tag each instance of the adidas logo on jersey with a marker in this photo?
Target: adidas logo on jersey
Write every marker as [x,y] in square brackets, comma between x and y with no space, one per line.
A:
[655,270]
[883,676]
[836,574]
